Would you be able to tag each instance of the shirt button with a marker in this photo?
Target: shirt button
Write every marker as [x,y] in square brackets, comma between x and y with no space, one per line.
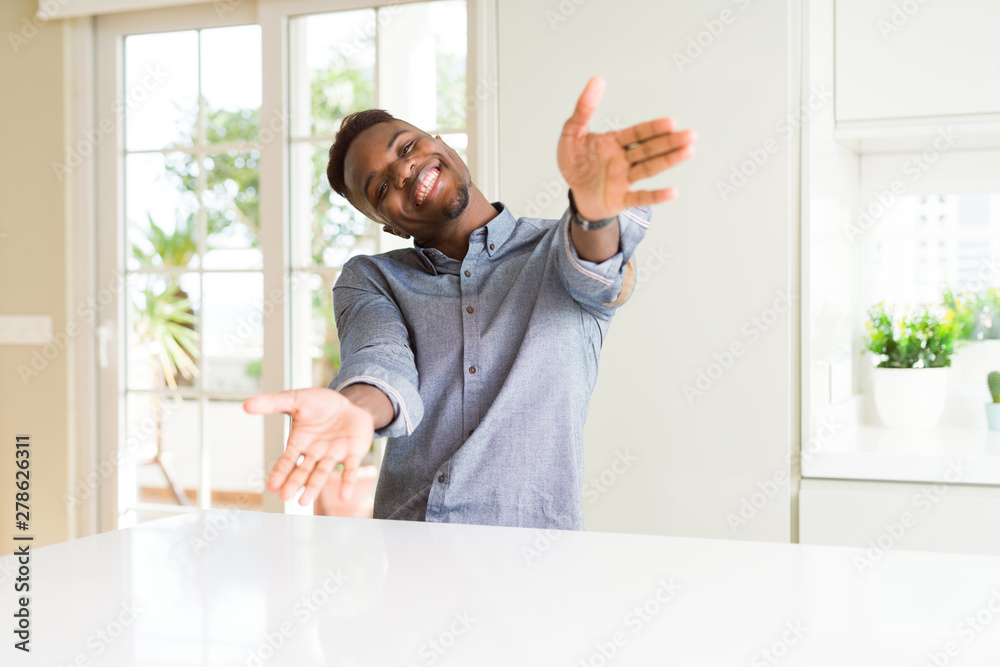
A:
[441,478]
[468,273]
[472,369]
[491,246]
[469,309]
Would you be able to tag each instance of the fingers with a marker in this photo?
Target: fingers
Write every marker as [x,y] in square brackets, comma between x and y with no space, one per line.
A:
[659,145]
[317,479]
[267,404]
[655,165]
[349,477]
[649,197]
[585,107]
[644,131]
[286,464]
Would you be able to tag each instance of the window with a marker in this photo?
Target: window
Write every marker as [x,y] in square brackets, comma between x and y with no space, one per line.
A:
[211,192]
[193,270]
[407,59]
[927,244]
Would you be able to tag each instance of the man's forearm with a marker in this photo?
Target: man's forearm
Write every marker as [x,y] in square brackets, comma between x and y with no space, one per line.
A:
[372,399]
[596,245]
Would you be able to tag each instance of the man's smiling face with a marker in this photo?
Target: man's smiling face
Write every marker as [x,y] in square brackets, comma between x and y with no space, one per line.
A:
[403,177]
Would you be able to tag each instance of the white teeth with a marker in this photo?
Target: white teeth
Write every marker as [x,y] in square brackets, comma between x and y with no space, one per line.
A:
[429,180]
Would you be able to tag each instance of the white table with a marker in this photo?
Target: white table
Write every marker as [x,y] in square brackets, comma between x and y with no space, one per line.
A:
[211,588]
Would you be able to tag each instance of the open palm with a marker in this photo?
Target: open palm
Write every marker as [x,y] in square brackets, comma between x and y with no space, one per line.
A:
[601,168]
[327,429]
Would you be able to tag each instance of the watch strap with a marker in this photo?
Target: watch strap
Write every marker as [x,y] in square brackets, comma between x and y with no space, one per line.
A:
[586,225]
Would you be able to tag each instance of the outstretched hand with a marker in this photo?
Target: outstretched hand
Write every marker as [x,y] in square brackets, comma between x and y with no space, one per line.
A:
[327,429]
[601,168]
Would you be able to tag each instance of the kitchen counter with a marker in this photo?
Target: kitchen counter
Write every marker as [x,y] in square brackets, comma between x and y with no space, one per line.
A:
[951,455]
[250,588]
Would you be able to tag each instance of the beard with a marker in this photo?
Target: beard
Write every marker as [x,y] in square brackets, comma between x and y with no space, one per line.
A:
[456,206]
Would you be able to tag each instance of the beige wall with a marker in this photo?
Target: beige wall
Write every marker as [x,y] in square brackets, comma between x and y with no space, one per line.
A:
[33,264]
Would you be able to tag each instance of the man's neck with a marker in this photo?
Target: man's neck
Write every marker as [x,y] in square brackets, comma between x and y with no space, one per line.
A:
[477,213]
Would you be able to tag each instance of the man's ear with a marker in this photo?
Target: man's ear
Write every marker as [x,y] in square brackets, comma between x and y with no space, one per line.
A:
[388,229]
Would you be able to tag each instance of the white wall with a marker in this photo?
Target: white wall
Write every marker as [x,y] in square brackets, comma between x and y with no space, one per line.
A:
[728,260]
[33,264]
[830,192]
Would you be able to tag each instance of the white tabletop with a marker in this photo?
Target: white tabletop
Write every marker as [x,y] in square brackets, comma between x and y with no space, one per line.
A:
[222,587]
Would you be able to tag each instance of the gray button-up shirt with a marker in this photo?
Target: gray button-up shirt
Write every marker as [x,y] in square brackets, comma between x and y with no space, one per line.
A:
[489,363]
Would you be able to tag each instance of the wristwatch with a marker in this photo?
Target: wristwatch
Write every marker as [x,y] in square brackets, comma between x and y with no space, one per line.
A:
[586,225]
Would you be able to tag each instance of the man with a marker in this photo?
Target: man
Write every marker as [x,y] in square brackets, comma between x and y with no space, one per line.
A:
[476,350]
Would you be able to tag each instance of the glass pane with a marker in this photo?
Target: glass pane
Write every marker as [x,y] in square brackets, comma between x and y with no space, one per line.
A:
[163,447]
[315,351]
[161,90]
[460,142]
[326,229]
[231,83]
[161,206]
[333,68]
[236,451]
[234,331]
[232,210]
[163,338]
[422,63]
[927,244]
[450,28]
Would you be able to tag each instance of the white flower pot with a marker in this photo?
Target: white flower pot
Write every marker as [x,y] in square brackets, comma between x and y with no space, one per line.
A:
[910,398]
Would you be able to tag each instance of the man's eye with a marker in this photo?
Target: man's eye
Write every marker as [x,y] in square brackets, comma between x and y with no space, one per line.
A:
[381,190]
[407,147]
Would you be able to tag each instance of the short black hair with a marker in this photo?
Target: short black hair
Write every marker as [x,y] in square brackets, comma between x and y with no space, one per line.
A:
[350,128]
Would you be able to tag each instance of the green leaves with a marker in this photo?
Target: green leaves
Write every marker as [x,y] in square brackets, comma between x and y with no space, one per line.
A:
[976,314]
[165,324]
[923,339]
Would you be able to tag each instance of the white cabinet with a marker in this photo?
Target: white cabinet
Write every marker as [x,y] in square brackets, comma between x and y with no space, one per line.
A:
[901,59]
[885,516]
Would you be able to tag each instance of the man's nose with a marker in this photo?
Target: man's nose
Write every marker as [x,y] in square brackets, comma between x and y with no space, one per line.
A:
[401,170]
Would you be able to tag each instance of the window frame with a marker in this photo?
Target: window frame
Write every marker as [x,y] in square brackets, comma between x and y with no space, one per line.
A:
[102,176]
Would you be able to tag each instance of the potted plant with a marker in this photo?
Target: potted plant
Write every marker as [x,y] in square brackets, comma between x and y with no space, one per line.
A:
[976,316]
[914,352]
[993,409]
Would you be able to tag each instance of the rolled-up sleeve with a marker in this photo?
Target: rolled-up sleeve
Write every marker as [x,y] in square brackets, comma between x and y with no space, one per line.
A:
[375,349]
[602,287]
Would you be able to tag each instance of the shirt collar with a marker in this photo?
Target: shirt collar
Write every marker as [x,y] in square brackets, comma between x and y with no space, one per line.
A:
[499,229]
